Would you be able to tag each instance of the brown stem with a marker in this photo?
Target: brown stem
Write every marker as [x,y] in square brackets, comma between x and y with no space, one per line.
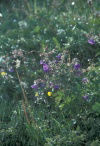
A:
[26,101]
[23,104]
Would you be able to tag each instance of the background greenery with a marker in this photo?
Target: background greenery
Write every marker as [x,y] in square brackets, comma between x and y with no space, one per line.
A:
[40,30]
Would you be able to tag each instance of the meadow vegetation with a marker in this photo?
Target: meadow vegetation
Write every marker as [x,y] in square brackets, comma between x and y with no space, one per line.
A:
[49,73]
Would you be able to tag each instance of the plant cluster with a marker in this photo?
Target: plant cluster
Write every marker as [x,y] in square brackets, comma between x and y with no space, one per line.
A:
[49,73]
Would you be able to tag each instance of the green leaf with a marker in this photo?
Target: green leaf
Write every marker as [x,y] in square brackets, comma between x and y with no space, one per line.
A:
[37,29]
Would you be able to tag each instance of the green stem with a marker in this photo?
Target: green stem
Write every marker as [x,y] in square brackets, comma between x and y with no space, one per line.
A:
[35,7]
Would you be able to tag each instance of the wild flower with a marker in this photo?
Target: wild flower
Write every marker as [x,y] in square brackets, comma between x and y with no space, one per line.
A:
[77,66]
[11,69]
[22,24]
[73,3]
[36,94]
[49,93]
[51,84]
[56,87]
[58,57]
[46,67]
[85,97]
[34,86]
[85,80]
[41,62]
[91,41]
[3,73]
[18,63]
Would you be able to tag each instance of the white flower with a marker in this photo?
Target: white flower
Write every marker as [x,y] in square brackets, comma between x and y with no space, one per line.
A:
[60,31]
[17,63]
[22,24]
[1,15]
[73,3]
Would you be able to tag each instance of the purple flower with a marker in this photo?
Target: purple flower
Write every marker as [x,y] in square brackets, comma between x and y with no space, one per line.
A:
[91,41]
[11,70]
[58,57]
[56,87]
[77,66]
[34,86]
[56,61]
[85,80]
[41,62]
[45,67]
[85,97]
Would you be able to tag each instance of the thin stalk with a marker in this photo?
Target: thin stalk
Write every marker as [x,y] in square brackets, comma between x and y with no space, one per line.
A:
[35,7]
[27,119]
[28,6]
[25,102]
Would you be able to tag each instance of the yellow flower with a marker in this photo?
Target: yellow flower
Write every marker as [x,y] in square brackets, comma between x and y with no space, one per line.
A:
[36,94]
[3,73]
[49,93]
